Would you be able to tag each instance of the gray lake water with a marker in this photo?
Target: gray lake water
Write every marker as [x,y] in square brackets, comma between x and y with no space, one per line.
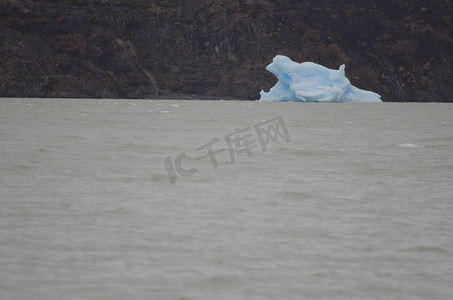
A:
[110,199]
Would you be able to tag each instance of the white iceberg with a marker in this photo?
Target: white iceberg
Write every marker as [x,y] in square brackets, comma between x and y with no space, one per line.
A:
[310,82]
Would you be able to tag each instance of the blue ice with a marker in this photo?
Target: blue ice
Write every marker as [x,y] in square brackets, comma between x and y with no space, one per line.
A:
[310,82]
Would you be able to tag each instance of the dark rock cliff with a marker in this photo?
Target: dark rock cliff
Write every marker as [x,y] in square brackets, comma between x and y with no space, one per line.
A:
[220,48]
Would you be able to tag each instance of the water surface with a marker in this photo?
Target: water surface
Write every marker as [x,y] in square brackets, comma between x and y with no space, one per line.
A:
[357,205]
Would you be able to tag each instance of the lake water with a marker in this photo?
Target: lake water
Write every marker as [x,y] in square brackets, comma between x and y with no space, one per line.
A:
[145,199]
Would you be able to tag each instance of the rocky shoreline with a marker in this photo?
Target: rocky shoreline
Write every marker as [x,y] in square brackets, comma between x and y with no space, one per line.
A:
[218,49]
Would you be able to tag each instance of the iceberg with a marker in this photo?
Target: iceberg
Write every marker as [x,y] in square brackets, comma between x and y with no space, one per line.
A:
[310,82]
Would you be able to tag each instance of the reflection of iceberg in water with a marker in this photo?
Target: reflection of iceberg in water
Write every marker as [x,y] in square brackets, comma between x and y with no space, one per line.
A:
[310,82]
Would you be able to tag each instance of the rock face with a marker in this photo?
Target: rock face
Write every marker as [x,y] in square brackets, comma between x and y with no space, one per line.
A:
[400,49]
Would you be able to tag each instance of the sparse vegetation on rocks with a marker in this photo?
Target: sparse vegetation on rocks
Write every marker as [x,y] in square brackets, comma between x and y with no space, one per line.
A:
[220,48]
